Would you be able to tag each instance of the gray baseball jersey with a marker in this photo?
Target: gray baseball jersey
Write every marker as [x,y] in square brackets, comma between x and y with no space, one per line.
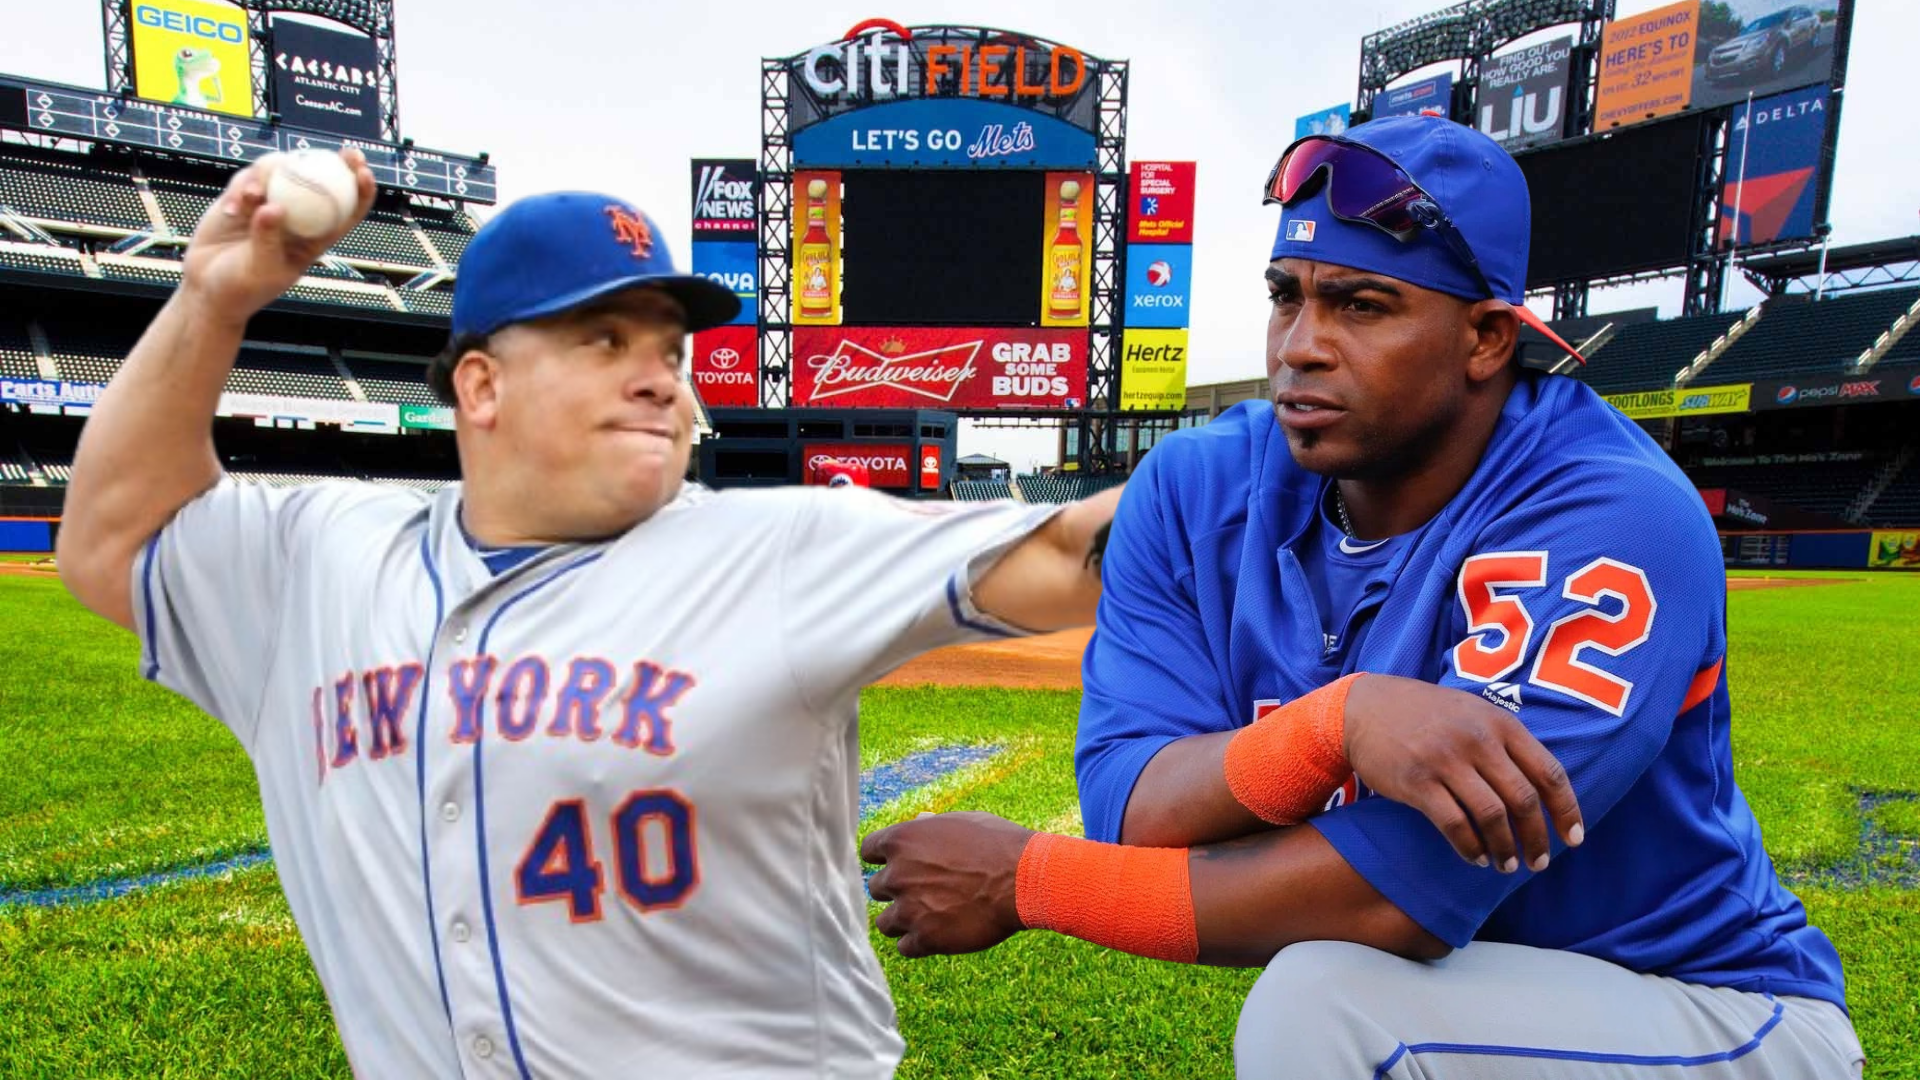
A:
[594,816]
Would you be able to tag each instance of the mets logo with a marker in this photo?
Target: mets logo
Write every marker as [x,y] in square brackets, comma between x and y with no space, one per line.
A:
[630,228]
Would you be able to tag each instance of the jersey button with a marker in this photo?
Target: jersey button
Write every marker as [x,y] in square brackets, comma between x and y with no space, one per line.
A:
[450,812]
[459,635]
[482,1047]
[461,933]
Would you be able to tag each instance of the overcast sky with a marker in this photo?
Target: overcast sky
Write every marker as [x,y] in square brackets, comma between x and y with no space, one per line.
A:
[617,96]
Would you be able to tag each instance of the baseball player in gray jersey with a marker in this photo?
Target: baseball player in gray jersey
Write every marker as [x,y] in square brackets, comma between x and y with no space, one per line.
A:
[560,764]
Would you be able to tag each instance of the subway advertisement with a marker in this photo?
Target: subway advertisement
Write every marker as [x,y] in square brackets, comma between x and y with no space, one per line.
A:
[193,53]
[1686,401]
[939,367]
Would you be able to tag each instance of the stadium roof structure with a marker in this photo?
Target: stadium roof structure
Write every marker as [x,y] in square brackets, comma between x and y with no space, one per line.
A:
[1856,266]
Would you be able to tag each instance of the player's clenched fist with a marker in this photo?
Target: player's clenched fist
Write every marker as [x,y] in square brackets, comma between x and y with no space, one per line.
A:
[1465,763]
[243,257]
[952,880]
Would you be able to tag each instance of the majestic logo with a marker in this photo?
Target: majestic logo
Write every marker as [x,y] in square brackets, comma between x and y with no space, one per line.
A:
[631,229]
[724,358]
[1504,694]
[1300,231]
[1159,274]
[934,373]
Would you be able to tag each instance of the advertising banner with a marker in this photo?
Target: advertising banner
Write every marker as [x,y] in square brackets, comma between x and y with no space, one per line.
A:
[723,199]
[888,465]
[1159,284]
[326,79]
[816,249]
[426,417]
[1894,550]
[1690,401]
[1066,254]
[944,133]
[726,366]
[944,367]
[1161,209]
[41,392]
[193,53]
[1524,95]
[930,467]
[1834,390]
[1430,97]
[735,265]
[1153,370]
[1332,121]
[1775,146]
[1762,47]
[1646,65]
[268,410]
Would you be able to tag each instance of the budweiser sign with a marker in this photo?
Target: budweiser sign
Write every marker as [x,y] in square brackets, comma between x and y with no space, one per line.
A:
[725,366]
[886,463]
[918,367]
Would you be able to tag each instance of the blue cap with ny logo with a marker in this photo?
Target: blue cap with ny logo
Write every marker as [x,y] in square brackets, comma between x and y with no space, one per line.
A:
[550,253]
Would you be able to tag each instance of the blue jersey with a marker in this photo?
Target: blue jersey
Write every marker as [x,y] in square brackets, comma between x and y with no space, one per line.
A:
[1576,581]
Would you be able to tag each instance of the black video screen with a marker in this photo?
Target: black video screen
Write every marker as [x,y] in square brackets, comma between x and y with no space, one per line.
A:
[1613,206]
[942,248]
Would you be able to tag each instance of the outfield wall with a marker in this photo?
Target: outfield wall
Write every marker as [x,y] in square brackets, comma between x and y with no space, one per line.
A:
[1858,549]
[28,535]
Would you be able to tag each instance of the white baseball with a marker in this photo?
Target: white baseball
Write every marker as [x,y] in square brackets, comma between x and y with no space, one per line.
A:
[315,189]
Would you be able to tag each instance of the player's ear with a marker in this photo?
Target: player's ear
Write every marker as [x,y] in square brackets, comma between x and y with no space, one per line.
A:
[1495,332]
[476,386]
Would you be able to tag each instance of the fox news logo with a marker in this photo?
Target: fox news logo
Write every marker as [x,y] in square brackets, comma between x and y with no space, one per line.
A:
[722,201]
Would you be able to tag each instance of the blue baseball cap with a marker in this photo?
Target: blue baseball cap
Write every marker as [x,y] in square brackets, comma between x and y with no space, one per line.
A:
[1476,182]
[550,253]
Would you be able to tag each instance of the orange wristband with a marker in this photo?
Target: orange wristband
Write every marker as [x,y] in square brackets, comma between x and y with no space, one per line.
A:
[1135,899]
[1286,765]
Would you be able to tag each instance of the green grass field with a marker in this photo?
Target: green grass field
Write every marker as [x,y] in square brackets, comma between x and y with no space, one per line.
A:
[105,776]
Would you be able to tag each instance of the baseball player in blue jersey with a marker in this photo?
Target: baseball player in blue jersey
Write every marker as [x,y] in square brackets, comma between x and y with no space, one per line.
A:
[560,764]
[1476,538]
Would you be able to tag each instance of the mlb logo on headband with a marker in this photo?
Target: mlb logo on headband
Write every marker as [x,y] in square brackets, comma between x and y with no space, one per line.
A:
[1300,231]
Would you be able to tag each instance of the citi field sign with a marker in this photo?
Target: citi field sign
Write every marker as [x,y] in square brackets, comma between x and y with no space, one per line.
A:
[879,62]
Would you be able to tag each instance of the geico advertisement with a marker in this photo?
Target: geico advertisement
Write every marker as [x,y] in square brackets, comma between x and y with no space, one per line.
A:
[816,248]
[1065,253]
[193,53]
[726,366]
[939,367]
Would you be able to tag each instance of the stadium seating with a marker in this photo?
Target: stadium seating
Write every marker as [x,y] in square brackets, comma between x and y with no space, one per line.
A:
[158,271]
[182,202]
[1824,489]
[287,375]
[449,230]
[1800,338]
[383,237]
[86,356]
[16,353]
[321,294]
[428,301]
[1645,355]
[1899,505]
[980,490]
[1061,489]
[397,384]
[46,260]
[55,190]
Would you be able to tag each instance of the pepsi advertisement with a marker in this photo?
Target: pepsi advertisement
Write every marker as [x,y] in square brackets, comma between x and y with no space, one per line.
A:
[944,133]
[1159,284]
[1773,167]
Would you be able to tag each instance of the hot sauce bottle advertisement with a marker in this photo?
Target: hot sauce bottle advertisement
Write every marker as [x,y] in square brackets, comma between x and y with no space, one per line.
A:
[1068,257]
[816,248]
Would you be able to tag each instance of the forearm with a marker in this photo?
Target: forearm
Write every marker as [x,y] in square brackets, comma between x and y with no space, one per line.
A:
[1182,799]
[147,447]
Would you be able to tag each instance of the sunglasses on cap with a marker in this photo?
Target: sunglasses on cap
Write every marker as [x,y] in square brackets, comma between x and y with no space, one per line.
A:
[1365,187]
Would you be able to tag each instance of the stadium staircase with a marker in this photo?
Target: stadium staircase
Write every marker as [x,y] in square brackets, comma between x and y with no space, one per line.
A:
[1640,356]
[1800,338]
[1859,510]
[1887,342]
[1686,375]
